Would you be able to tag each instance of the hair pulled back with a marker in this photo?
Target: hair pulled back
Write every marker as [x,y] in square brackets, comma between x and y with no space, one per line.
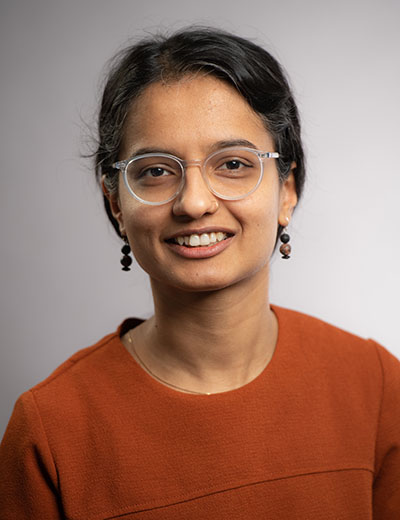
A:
[255,74]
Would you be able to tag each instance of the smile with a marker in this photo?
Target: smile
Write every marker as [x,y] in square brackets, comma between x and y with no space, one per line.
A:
[203,240]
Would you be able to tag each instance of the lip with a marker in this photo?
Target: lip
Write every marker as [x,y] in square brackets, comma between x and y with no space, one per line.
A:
[201,251]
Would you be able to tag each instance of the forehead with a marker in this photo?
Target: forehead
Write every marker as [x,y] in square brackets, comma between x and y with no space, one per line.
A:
[192,113]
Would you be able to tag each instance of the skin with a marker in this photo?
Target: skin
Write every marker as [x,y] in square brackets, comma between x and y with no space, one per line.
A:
[213,329]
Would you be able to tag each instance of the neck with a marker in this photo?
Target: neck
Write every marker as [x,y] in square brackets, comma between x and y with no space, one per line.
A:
[209,341]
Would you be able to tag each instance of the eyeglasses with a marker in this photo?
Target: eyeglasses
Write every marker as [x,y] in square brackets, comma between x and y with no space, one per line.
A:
[230,174]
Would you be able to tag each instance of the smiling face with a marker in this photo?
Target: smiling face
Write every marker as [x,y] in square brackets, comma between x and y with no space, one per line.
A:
[190,119]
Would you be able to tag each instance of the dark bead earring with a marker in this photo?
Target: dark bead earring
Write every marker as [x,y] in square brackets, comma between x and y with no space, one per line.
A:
[285,248]
[126,260]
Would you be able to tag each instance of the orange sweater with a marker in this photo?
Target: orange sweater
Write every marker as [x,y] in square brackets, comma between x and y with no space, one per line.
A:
[315,436]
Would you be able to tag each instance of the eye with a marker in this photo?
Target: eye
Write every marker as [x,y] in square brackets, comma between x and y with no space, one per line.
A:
[145,169]
[155,171]
[232,164]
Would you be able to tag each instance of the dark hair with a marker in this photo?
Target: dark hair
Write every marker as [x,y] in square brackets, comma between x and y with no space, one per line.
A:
[255,74]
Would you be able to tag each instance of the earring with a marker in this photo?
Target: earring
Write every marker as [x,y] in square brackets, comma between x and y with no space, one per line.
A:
[126,260]
[285,248]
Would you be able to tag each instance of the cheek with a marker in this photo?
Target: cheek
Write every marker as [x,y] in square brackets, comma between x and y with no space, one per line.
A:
[142,225]
[265,231]
[260,212]
[260,225]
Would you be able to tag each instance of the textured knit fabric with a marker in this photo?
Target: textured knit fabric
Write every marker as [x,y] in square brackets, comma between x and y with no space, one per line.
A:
[315,436]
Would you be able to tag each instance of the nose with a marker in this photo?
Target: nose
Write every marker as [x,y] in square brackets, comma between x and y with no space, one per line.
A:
[195,199]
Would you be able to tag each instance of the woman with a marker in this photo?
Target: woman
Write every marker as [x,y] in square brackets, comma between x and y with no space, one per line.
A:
[220,405]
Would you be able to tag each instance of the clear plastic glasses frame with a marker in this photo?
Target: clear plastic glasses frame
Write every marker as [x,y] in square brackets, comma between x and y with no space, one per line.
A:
[123,166]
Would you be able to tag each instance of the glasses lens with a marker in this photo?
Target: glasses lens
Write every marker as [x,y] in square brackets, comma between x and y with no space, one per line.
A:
[233,173]
[154,178]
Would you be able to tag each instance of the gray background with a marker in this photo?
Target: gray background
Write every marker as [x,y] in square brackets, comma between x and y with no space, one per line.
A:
[61,284]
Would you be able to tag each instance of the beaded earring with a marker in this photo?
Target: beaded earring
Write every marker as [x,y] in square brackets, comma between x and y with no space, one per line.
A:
[126,260]
[285,248]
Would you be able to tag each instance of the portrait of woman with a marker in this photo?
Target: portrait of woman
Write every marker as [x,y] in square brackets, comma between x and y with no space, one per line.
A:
[221,405]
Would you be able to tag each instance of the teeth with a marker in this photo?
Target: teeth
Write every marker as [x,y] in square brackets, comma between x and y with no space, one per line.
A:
[194,240]
[205,239]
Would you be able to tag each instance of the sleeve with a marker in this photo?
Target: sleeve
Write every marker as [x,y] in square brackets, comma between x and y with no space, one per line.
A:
[386,487]
[28,477]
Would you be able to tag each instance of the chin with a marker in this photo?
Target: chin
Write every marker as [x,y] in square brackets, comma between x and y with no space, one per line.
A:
[206,275]
[198,284]
[204,286]
[205,282]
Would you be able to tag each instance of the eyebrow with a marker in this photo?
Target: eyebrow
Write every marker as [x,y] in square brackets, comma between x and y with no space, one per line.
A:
[233,142]
[216,146]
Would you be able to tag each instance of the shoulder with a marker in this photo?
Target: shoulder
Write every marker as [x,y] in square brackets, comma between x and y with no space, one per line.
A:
[336,354]
[90,371]
[317,333]
[82,363]
[73,397]
[357,380]
[305,325]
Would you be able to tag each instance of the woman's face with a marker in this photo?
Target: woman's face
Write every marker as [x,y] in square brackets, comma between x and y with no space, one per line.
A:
[188,119]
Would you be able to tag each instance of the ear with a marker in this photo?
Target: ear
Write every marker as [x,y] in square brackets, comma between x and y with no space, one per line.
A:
[288,197]
[115,206]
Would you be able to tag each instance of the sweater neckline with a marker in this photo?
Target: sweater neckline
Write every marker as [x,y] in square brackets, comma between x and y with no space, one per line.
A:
[152,384]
